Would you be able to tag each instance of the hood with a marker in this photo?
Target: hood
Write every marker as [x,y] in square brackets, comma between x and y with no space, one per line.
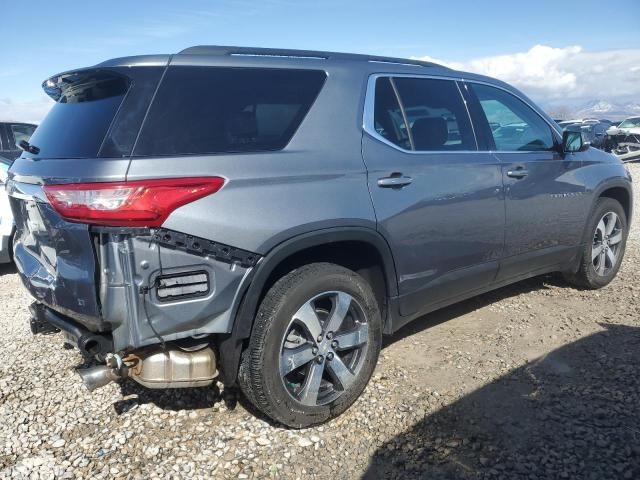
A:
[623,131]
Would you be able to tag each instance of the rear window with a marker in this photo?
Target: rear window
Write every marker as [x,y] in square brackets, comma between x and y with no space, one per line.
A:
[76,125]
[201,110]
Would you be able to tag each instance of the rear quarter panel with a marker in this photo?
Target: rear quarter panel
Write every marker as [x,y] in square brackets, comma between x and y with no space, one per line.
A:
[319,180]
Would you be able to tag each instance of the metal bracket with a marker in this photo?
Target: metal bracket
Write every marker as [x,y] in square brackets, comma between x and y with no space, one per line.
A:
[201,246]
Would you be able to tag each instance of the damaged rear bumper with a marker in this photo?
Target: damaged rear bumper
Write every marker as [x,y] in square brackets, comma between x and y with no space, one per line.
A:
[135,286]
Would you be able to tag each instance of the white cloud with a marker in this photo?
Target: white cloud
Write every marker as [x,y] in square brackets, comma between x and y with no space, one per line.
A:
[550,75]
[573,74]
[30,112]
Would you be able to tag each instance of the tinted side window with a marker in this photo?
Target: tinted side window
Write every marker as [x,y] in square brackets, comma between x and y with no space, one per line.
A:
[200,110]
[126,124]
[388,120]
[436,114]
[514,125]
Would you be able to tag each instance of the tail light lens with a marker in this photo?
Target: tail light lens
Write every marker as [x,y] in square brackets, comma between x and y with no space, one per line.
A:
[141,203]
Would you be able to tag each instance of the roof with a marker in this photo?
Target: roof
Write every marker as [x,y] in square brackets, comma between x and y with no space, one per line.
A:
[217,50]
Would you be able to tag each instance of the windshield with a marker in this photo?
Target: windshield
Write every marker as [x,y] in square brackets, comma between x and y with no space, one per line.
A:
[630,123]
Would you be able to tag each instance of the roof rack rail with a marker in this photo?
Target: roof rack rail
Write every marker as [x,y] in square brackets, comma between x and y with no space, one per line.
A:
[220,50]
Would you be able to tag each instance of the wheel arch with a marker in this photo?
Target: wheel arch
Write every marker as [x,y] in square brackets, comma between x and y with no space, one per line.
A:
[622,195]
[314,246]
[617,188]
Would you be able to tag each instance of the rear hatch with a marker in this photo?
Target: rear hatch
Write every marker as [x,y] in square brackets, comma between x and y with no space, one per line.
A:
[87,136]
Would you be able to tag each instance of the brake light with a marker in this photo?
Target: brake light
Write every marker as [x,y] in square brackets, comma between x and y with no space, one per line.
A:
[140,203]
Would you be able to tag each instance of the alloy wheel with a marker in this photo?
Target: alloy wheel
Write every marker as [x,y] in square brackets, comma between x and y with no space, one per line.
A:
[606,244]
[323,348]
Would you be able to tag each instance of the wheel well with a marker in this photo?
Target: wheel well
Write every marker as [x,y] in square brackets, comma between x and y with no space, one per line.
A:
[622,196]
[361,257]
[355,248]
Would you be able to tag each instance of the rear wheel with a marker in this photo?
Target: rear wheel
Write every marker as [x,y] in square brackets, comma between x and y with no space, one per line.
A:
[314,345]
[604,248]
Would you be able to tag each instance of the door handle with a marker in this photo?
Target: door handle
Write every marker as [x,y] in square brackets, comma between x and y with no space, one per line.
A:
[395,180]
[517,173]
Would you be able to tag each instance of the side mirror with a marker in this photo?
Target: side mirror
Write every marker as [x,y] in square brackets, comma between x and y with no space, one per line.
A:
[572,142]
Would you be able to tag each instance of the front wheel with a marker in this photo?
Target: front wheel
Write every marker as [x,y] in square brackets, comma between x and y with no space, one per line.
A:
[314,345]
[604,247]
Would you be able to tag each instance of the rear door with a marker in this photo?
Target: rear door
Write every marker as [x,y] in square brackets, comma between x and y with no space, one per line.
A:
[544,201]
[438,200]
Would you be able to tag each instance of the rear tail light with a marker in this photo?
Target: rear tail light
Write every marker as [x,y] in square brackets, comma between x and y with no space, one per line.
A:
[140,203]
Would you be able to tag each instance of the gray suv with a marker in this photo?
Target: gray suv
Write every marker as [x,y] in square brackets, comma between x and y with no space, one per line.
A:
[266,216]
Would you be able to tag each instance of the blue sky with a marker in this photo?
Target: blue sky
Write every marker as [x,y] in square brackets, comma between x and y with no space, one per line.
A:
[43,38]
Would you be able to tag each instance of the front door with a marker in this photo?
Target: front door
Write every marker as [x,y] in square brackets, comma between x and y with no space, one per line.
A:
[544,196]
[438,201]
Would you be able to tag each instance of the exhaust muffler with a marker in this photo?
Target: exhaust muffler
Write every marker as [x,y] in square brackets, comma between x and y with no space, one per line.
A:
[174,368]
[155,368]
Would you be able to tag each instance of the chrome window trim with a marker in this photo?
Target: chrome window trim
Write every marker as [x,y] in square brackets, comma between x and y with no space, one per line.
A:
[466,107]
[368,124]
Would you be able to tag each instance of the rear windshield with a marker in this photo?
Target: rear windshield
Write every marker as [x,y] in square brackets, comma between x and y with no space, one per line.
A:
[97,112]
[77,123]
[200,110]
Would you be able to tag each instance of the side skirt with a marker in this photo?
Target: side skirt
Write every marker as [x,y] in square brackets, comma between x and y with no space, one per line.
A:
[396,321]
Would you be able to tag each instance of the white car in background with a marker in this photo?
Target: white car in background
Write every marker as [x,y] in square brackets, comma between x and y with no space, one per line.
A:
[624,140]
[6,217]
[628,125]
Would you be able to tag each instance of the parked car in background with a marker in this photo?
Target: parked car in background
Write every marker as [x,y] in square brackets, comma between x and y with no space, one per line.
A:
[624,139]
[627,126]
[11,133]
[594,131]
[269,215]
[6,217]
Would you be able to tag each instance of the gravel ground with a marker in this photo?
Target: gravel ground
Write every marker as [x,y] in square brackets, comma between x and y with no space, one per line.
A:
[533,381]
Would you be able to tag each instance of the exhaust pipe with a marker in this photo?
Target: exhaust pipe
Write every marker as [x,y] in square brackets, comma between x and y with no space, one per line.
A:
[96,377]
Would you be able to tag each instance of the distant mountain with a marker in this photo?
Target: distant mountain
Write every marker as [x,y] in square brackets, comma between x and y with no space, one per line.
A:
[609,110]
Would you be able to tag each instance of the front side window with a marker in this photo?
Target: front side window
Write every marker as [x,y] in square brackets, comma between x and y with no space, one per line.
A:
[202,110]
[514,125]
[436,114]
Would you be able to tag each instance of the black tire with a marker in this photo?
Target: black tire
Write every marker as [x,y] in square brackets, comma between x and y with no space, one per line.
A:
[259,375]
[587,275]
